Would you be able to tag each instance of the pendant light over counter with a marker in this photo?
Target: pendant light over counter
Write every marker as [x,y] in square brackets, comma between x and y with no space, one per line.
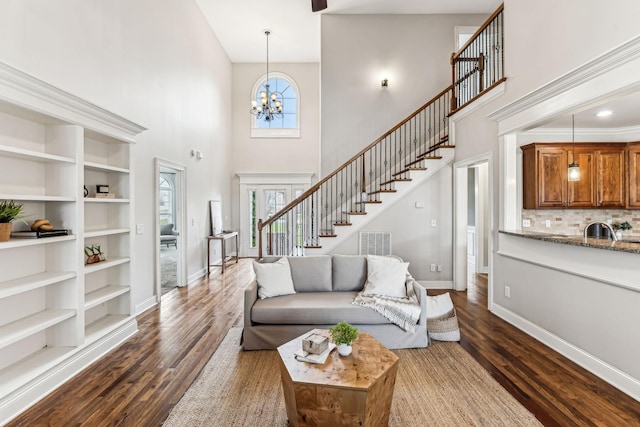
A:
[574,168]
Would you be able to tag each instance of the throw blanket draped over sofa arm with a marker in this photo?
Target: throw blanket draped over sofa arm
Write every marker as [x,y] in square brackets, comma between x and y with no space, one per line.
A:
[325,288]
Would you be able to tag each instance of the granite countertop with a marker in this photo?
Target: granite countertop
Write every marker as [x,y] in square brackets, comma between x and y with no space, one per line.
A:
[632,245]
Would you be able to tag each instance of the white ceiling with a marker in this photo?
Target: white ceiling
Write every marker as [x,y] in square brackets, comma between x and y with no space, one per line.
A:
[624,115]
[295,29]
[295,37]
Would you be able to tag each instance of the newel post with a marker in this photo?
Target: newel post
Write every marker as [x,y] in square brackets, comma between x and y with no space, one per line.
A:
[454,99]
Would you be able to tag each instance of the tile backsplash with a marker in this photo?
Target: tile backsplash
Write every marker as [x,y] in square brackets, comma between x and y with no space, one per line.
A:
[573,221]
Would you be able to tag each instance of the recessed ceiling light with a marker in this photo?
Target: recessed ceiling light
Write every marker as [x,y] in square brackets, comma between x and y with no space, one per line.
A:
[604,113]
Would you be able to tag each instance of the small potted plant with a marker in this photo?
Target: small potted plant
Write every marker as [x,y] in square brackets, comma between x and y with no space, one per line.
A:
[343,335]
[620,228]
[9,211]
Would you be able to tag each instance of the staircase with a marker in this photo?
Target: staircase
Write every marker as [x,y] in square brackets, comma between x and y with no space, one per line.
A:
[394,164]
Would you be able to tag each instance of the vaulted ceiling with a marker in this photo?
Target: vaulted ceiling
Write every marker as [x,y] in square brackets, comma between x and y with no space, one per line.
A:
[295,29]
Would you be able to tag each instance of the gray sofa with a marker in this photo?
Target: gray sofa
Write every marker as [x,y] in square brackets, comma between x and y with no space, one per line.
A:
[325,287]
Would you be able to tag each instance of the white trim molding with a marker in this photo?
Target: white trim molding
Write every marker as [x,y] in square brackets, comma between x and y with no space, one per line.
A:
[610,75]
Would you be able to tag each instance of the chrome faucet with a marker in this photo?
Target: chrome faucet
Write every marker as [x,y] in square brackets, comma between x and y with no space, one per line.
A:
[612,233]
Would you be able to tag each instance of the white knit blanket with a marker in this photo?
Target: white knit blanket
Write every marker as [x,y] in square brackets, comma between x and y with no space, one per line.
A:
[404,312]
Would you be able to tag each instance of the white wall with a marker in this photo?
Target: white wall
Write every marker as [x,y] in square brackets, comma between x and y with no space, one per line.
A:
[412,236]
[155,62]
[574,33]
[357,52]
[274,155]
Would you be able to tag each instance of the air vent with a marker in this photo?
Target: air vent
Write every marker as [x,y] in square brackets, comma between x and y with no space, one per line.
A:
[375,243]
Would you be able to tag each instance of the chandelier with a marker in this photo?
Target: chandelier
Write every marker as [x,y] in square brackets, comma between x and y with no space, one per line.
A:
[270,107]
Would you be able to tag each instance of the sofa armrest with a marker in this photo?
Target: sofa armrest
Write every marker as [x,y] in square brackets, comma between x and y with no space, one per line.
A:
[421,293]
[250,297]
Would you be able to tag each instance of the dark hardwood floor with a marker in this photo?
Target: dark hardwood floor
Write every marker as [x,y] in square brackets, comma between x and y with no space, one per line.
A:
[139,382]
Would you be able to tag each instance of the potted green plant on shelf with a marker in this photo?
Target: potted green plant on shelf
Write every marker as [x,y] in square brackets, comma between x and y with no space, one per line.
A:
[9,211]
[343,335]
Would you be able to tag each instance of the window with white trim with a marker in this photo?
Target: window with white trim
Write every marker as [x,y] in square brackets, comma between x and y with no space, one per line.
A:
[285,125]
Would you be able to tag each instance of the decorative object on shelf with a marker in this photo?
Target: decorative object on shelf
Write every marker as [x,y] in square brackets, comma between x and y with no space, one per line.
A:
[86,191]
[270,106]
[41,225]
[573,173]
[315,343]
[102,189]
[94,254]
[9,211]
[343,335]
[38,234]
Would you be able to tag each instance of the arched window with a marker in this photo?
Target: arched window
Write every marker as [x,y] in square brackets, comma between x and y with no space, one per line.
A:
[288,124]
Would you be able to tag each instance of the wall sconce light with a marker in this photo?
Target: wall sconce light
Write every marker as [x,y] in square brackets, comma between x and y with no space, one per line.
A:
[384,82]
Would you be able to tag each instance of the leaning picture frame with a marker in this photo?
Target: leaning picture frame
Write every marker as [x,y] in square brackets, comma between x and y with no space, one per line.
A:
[215,210]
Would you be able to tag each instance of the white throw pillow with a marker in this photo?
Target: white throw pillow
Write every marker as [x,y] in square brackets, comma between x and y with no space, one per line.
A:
[274,278]
[439,305]
[386,277]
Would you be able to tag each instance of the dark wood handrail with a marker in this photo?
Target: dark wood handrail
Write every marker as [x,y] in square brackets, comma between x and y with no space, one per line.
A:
[351,160]
[478,31]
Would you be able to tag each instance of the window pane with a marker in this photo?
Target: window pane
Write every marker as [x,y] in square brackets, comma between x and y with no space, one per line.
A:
[289,99]
[289,121]
[253,219]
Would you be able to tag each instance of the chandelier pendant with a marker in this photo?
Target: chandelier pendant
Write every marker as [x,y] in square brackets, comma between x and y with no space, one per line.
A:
[269,107]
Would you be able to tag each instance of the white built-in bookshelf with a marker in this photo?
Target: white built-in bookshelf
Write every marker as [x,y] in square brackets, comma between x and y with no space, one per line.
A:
[58,315]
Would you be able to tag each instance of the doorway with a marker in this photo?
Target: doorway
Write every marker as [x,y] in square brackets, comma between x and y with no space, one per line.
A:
[170,227]
[473,244]
[261,196]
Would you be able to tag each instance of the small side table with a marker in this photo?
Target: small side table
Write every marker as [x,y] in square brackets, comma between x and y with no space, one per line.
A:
[222,237]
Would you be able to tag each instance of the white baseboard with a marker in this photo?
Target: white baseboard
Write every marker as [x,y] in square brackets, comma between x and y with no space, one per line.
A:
[34,390]
[146,305]
[608,373]
[196,276]
[436,284]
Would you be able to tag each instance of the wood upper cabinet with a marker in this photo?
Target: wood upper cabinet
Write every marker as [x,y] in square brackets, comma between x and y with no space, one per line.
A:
[552,177]
[610,170]
[633,175]
[545,181]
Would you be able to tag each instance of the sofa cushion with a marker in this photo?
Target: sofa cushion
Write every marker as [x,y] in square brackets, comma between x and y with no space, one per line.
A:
[274,279]
[386,277]
[349,272]
[314,308]
[311,273]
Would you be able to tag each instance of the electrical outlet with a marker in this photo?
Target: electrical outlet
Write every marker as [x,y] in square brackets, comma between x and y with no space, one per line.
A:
[439,267]
[526,223]
[547,223]
[433,267]
[139,228]
[507,291]
[434,223]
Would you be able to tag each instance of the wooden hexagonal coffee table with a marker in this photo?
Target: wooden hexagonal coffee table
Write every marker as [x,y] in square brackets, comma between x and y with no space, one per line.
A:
[352,390]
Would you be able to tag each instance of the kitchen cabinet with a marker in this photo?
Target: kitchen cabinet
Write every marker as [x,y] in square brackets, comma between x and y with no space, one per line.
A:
[545,181]
[633,175]
[610,171]
[546,184]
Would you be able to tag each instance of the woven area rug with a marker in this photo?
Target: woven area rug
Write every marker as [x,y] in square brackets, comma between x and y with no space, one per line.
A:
[441,385]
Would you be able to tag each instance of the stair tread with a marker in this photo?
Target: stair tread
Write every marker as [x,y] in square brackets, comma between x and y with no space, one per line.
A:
[356,213]
[384,191]
[409,170]
[312,246]
[327,235]
[369,201]
[342,224]
[396,180]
